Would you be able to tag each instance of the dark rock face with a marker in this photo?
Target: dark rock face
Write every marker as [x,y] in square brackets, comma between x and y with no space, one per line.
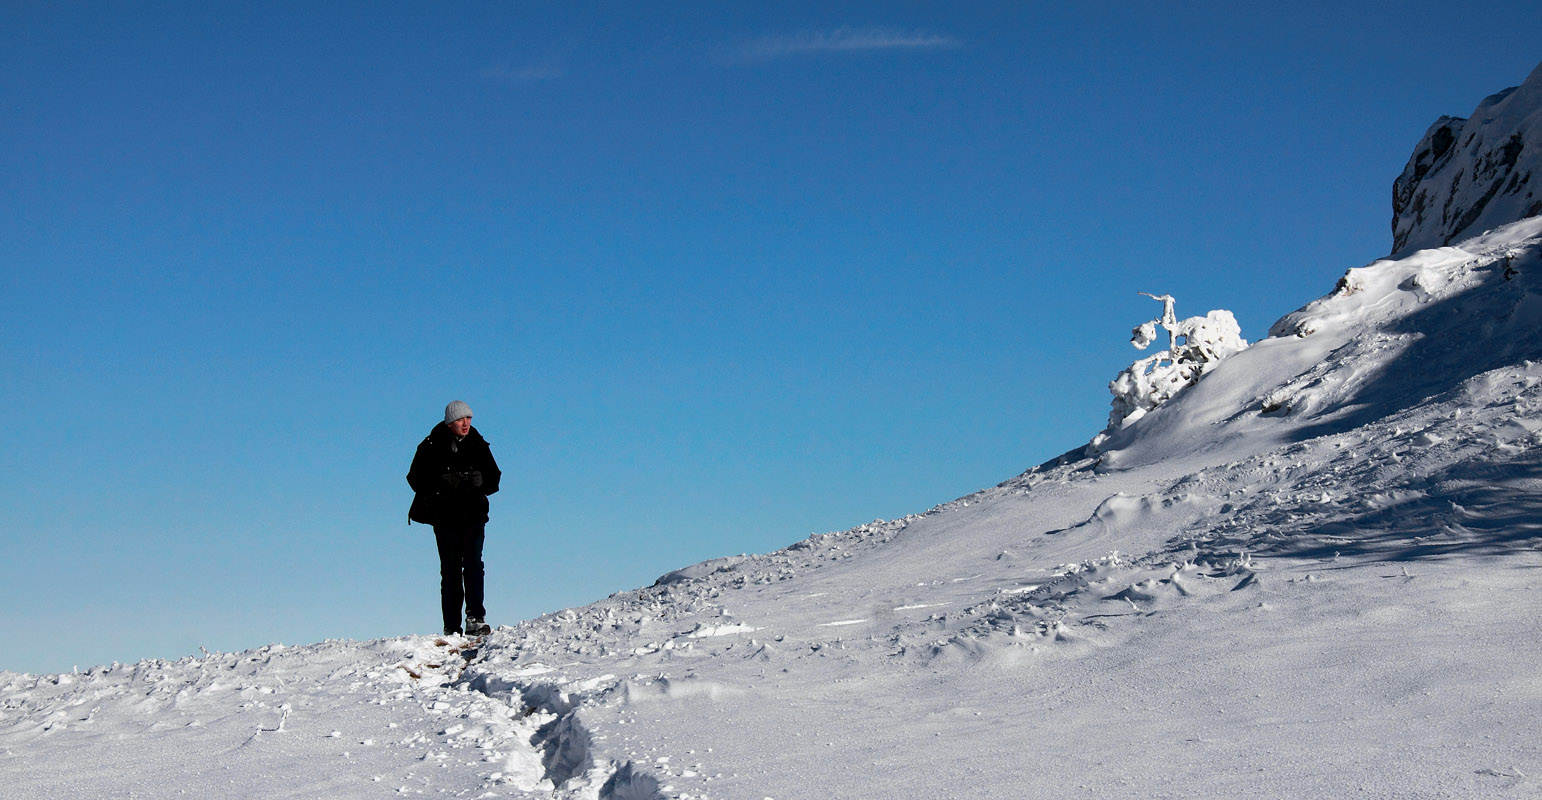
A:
[1471,175]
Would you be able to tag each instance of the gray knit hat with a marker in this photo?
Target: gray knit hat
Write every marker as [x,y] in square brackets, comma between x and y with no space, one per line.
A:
[456,410]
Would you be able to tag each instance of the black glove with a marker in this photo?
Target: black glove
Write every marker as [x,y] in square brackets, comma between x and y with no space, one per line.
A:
[476,478]
[453,479]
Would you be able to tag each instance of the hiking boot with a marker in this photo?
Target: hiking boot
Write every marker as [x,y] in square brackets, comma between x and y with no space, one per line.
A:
[476,626]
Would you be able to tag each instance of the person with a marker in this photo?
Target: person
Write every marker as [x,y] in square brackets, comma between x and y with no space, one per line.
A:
[452,473]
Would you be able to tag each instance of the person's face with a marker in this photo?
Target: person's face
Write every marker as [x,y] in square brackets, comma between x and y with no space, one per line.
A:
[461,427]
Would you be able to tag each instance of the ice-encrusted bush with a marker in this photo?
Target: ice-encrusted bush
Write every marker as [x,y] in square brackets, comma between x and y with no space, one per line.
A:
[1194,347]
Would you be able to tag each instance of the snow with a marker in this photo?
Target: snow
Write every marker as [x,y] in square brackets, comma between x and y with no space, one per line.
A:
[1194,347]
[1314,571]
[1470,175]
[337,719]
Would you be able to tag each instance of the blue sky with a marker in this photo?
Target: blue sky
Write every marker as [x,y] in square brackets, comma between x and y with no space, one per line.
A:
[713,276]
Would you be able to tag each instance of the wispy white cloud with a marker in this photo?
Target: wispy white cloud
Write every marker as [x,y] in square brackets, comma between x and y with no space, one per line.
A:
[507,73]
[841,40]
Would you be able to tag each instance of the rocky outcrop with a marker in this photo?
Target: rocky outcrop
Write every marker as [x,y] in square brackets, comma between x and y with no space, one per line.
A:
[1470,175]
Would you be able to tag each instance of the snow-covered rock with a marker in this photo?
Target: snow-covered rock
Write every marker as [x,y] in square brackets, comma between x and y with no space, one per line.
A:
[1470,175]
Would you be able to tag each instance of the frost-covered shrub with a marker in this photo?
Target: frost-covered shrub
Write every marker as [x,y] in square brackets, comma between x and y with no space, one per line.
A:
[1194,347]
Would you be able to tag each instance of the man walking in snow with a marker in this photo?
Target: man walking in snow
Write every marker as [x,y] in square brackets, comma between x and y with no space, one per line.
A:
[451,476]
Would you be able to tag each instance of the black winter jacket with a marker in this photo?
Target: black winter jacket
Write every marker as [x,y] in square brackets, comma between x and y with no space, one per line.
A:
[441,500]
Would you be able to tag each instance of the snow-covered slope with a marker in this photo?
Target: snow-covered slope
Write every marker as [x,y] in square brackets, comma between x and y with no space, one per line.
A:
[1469,175]
[1315,572]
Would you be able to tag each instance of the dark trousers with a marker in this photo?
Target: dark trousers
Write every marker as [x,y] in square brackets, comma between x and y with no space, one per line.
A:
[460,571]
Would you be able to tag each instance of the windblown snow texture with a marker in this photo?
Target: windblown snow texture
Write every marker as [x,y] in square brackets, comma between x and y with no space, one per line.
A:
[1315,572]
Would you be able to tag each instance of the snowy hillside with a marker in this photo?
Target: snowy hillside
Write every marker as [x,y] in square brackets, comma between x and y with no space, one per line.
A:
[1316,572]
